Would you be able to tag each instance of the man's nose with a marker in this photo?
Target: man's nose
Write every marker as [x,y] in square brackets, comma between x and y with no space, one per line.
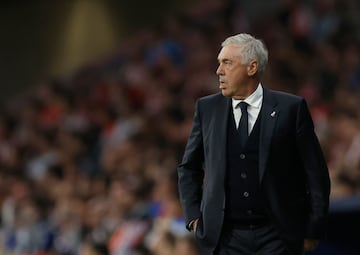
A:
[219,70]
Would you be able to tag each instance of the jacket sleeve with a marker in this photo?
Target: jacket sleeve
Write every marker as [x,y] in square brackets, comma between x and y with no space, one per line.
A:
[190,171]
[316,172]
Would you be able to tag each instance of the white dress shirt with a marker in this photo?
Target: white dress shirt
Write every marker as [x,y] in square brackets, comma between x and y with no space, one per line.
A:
[254,102]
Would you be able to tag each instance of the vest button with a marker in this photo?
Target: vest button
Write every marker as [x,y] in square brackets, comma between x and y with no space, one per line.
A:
[246,194]
[243,175]
[242,156]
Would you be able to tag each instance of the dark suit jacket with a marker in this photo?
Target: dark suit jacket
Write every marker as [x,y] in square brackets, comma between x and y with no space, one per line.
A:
[294,179]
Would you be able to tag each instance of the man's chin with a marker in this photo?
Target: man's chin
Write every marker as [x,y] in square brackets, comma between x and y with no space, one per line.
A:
[224,93]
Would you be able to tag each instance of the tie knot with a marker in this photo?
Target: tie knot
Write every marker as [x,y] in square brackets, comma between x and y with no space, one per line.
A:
[243,106]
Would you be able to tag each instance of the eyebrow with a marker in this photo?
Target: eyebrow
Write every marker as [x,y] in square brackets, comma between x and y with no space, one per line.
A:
[223,60]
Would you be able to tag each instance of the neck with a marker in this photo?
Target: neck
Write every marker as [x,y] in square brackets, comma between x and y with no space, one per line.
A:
[246,91]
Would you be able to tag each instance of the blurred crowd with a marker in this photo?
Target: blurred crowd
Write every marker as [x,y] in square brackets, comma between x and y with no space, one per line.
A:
[88,161]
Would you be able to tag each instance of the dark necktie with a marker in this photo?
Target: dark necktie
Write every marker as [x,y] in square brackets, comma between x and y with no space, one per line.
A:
[243,124]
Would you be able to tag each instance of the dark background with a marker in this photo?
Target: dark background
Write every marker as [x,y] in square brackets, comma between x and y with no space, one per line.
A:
[42,39]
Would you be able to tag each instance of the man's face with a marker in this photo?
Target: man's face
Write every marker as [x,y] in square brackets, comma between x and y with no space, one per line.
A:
[233,75]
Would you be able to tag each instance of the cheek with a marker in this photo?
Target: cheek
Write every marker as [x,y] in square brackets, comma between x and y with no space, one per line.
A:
[238,76]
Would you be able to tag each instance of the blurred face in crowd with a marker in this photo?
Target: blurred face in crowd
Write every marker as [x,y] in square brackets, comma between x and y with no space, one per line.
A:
[236,79]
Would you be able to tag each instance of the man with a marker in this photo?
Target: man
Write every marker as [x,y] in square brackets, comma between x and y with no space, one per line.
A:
[253,179]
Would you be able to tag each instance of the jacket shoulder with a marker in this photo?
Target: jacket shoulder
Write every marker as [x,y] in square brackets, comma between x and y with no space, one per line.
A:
[285,98]
[211,104]
[212,99]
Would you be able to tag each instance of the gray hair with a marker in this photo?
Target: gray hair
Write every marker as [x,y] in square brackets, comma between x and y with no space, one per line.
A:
[250,49]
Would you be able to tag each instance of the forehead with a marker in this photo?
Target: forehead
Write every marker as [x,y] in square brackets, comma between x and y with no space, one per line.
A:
[230,51]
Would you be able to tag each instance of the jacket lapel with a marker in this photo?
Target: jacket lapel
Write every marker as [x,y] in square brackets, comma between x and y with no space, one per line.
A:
[269,115]
[221,117]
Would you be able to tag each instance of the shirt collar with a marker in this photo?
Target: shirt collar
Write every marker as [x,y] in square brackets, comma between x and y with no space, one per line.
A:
[254,100]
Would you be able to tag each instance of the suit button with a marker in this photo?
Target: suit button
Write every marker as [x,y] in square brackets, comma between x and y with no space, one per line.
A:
[243,175]
[242,156]
[246,194]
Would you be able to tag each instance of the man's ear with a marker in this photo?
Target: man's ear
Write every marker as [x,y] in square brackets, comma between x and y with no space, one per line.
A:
[252,68]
